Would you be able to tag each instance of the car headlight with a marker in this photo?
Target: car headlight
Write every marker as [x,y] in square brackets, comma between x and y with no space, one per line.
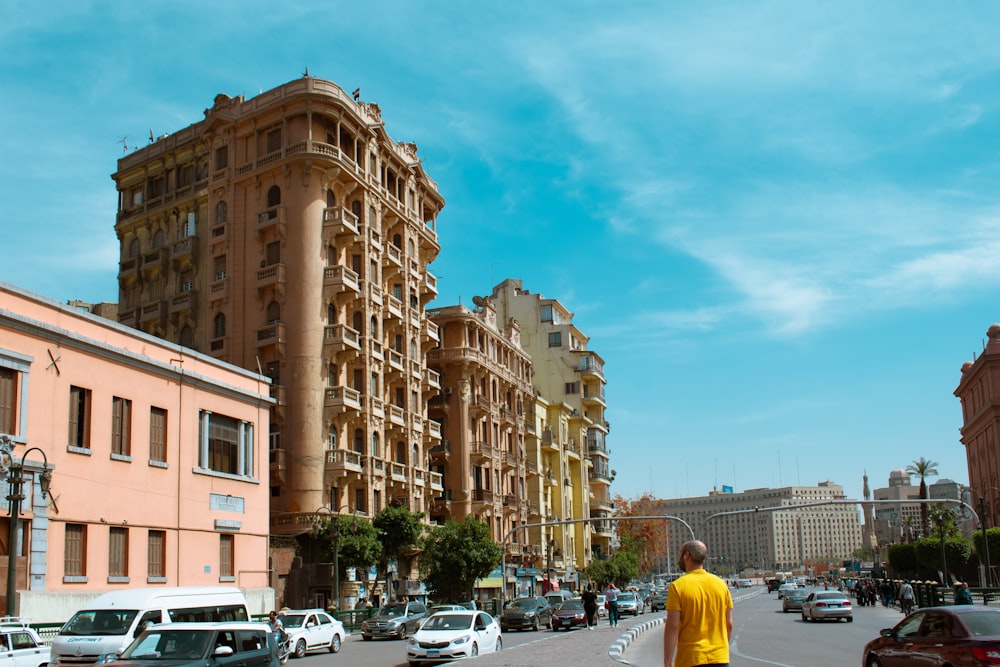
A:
[106,658]
[412,641]
[530,614]
[392,624]
[464,639]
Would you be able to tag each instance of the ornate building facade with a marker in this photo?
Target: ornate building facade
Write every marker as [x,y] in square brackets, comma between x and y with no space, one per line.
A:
[290,233]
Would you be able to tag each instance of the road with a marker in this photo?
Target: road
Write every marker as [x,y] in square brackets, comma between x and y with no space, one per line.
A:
[763,636]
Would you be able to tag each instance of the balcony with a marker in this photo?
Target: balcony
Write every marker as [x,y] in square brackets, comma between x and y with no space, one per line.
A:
[436,480]
[272,277]
[272,334]
[339,279]
[185,302]
[272,219]
[593,395]
[127,269]
[153,312]
[376,239]
[184,252]
[375,349]
[153,262]
[218,290]
[414,267]
[440,453]
[431,283]
[481,450]
[479,404]
[375,407]
[433,429]
[373,292]
[432,379]
[375,466]
[419,477]
[416,424]
[397,472]
[431,331]
[342,399]
[338,221]
[482,496]
[341,338]
[394,255]
[394,306]
[416,370]
[414,315]
[396,361]
[342,461]
[591,366]
[397,416]
[599,476]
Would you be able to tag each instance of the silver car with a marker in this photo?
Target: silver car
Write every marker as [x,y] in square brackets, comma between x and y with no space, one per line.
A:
[629,603]
[793,598]
[821,605]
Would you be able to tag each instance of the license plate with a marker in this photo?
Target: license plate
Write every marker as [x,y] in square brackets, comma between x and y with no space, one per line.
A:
[433,652]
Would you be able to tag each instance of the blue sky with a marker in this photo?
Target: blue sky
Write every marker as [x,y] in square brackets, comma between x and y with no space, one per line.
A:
[778,222]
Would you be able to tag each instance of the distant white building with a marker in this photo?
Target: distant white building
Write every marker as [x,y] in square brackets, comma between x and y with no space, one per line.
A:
[897,523]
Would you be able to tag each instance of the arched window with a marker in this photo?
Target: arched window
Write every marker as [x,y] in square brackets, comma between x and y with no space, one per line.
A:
[371,215]
[331,201]
[356,208]
[158,239]
[219,328]
[133,248]
[397,241]
[273,196]
[401,452]
[375,449]
[411,250]
[187,336]
[414,455]
[331,315]
[374,327]
[357,321]
[359,441]
[331,437]
[220,213]
[273,312]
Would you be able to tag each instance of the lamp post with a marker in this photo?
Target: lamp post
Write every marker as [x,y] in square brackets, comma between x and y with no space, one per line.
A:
[983,525]
[334,517]
[13,470]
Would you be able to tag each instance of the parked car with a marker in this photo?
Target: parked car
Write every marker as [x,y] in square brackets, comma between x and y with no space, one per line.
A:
[526,612]
[793,599]
[602,606]
[453,635]
[658,601]
[435,608]
[558,597]
[20,645]
[569,614]
[962,635]
[199,644]
[395,621]
[629,603]
[821,605]
[312,629]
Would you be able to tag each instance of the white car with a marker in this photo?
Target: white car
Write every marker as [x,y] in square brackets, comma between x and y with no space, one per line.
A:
[311,630]
[453,635]
[20,646]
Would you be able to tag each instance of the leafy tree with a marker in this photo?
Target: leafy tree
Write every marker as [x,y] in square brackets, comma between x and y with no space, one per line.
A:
[957,552]
[400,532]
[351,541]
[455,555]
[647,537]
[903,558]
[923,468]
[993,536]
[621,568]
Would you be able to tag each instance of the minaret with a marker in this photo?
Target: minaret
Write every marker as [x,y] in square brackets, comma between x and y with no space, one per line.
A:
[868,538]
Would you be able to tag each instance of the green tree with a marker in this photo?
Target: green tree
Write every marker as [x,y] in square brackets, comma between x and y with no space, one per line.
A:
[957,552]
[400,532]
[350,541]
[993,535]
[903,559]
[621,568]
[455,555]
[923,468]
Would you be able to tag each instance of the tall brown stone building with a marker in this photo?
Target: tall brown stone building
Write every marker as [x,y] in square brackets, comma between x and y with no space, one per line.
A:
[290,233]
[979,391]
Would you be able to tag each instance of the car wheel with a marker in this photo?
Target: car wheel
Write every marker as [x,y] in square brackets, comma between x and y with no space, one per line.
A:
[873,662]
[300,648]
[474,651]
[850,619]
[534,624]
[335,644]
[366,638]
[804,619]
[499,644]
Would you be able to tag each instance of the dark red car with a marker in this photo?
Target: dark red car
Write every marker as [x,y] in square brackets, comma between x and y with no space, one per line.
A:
[963,635]
[569,614]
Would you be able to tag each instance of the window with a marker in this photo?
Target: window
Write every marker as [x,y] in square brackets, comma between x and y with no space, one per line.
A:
[227,548]
[118,552]
[225,444]
[555,339]
[121,426]
[572,387]
[221,157]
[220,213]
[359,500]
[79,417]
[156,554]
[188,230]
[273,140]
[8,400]
[273,253]
[273,196]
[219,326]
[75,556]
[158,435]
[219,267]
[546,313]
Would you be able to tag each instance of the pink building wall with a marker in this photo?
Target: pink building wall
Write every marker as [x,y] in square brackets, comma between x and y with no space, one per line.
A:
[51,348]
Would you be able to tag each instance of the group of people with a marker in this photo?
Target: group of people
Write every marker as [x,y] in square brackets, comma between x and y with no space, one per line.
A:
[868,592]
[592,608]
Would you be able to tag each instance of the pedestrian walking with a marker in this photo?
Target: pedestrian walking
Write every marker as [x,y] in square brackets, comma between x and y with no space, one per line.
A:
[906,597]
[699,614]
[962,593]
[590,607]
[611,597]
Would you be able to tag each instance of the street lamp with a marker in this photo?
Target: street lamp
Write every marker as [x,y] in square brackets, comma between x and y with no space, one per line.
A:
[982,525]
[13,470]
[333,517]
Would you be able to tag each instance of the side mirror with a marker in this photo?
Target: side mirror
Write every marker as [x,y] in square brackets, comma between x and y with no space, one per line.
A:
[886,632]
[222,651]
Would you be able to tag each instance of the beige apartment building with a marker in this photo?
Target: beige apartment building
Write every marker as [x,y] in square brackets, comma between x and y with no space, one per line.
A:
[288,232]
[895,523]
[574,457]
[87,406]
[488,453]
[745,532]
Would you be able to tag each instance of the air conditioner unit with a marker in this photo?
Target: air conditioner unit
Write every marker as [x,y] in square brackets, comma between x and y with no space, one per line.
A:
[446,391]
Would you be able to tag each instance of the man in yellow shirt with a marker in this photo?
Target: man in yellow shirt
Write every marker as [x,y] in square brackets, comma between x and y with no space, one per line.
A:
[699,614]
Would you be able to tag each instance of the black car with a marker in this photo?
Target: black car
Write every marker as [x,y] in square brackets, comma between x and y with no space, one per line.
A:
[226,644]
[658,601]
[395,620]
[526,613]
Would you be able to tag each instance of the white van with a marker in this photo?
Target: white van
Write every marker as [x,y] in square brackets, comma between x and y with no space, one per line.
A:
[109,622]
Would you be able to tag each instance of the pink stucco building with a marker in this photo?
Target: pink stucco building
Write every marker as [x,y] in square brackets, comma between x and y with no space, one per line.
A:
[157,456]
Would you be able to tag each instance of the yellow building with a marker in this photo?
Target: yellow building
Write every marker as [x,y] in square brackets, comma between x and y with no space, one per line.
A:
[574,459]
[290,233]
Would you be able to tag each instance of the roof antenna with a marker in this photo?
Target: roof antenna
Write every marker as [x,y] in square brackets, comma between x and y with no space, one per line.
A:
[124,142]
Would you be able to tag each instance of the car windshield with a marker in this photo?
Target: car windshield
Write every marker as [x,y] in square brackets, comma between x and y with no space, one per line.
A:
[571,605]
[292,620]
[982,623]
[626,597]
[99,622]
[522,603]
[445,621]
[170,645]
[393,610]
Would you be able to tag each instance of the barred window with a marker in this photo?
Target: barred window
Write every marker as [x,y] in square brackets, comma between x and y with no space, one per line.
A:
[227,548]
[118,552]
[75,555]
[157,434]
[121,426]
[156,551]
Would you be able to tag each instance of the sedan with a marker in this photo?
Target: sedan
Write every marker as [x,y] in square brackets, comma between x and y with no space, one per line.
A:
[311,630]
[793,599]
[962,635]
[658,601]
[527,612]
[820,605]
[569,614]
[453,635]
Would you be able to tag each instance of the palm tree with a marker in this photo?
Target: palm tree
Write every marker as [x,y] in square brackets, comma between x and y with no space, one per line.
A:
[923,468]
